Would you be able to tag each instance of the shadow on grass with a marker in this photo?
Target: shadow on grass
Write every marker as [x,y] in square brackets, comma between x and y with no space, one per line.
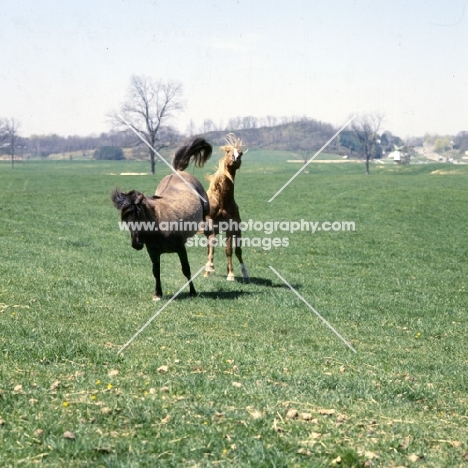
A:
[259,282]
[223,294]
[209,295]
[268,282]
[262,282]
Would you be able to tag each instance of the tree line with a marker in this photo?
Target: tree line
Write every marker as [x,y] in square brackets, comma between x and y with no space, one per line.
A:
[143,126]
[42,146]
[299,134]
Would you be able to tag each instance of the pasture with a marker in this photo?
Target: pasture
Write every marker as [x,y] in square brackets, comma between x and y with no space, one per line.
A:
[243,374]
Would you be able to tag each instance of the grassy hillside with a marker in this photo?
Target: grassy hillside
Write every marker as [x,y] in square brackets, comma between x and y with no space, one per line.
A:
[244,374]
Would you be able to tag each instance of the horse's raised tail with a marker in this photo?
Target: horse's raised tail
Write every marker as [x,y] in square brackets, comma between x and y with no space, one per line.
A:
[198,151]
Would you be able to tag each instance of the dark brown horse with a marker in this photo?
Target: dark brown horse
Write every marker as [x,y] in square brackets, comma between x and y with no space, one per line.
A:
[224,211]
[164,222]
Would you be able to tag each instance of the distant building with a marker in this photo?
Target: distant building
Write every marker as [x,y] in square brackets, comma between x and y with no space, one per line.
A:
[396,155]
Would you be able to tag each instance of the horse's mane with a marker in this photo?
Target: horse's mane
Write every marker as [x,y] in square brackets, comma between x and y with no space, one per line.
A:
[219,178]
[131,204]
[220,173]
[233,142]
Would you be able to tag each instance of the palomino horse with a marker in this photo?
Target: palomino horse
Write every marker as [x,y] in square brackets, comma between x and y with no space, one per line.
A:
[223,208]
[156,221]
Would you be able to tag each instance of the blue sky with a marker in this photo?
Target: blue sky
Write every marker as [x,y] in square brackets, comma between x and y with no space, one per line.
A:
[66,65]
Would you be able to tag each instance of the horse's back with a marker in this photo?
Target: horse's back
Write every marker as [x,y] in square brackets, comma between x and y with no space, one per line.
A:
[182,201]
[174,188]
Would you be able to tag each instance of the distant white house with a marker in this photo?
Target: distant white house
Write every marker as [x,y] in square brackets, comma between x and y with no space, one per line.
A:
[396,155]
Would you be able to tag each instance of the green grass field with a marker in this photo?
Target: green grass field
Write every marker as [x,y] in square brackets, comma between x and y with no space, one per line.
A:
[244,374]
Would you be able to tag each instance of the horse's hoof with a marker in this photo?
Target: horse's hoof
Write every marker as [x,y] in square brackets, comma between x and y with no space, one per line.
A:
[209,268]
[230,278]
[156,298]
[206,275]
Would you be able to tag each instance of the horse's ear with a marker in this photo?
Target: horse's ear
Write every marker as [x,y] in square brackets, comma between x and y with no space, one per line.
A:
[138,199]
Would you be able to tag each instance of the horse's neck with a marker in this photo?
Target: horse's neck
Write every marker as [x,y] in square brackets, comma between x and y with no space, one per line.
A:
[150,210]
[222,183]
[229,184]
[232,173]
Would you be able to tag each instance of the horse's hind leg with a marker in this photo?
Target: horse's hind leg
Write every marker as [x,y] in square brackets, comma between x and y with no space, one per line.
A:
[186,268]
[238,252]
[228,250]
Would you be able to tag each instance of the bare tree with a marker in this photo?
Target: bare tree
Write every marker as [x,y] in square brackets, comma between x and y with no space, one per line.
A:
[305,156]
[249,122]
[271,120]
[207,126]
[149,107]
[191,130]
[366,130]
[9,136]
[234,123]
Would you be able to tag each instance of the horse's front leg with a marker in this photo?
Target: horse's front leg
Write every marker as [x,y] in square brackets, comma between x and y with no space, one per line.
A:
[209,267]
[186,269]
[211,239]
[156,260]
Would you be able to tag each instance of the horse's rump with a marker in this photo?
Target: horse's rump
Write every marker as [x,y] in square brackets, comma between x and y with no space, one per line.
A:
[172,187]
[179,203]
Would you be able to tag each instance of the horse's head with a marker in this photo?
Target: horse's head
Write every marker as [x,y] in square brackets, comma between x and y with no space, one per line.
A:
[232,151]
[133,209]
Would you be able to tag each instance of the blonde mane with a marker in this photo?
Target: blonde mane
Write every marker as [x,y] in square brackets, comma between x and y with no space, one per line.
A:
[232,142]
[217,180]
